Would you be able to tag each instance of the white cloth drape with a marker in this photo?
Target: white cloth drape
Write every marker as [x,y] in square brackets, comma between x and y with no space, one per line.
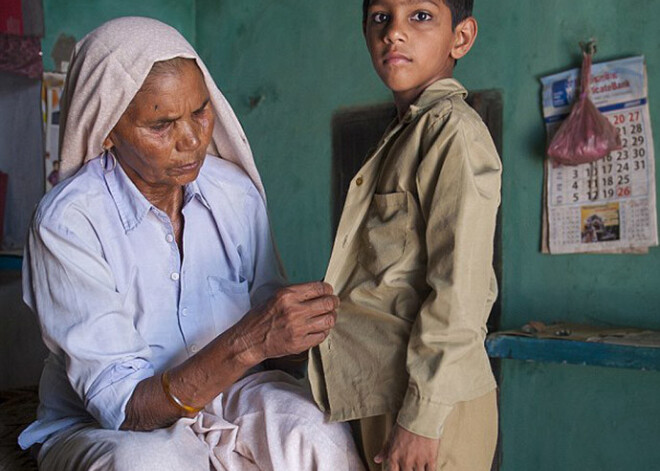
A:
[265,422]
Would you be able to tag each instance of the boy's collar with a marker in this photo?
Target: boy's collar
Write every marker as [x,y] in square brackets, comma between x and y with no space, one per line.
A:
[439,90]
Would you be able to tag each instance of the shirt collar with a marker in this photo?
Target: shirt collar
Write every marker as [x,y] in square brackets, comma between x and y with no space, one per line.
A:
[131,203]
[442,89]
[191,190]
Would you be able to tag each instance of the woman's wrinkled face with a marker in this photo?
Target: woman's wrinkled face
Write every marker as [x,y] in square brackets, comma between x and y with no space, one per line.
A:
[161,139]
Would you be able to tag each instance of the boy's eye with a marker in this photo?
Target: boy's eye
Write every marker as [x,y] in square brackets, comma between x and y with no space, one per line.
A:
[379,18]
[421,16]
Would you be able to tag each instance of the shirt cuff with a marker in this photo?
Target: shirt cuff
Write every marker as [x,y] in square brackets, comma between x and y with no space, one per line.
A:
[111,392]
[422,416]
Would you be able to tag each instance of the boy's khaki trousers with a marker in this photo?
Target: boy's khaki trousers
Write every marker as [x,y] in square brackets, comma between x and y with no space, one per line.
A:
[468,441]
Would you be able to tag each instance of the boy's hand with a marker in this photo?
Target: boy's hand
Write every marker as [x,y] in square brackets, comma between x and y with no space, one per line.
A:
[407,451]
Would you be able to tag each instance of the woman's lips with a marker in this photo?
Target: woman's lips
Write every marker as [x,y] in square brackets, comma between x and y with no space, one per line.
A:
[187,168]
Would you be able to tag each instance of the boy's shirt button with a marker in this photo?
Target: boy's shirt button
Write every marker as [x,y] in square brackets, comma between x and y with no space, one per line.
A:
[359,181]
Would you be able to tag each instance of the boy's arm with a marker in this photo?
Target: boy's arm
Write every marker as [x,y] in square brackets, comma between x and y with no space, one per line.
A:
[459,186]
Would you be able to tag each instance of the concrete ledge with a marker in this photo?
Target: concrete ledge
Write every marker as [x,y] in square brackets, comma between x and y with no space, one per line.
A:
[573,352]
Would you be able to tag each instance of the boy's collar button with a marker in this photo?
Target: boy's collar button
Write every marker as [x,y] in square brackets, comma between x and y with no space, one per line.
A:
[359,181]
[411,113]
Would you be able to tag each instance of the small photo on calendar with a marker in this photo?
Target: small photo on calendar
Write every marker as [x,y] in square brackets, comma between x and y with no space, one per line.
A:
[600,223]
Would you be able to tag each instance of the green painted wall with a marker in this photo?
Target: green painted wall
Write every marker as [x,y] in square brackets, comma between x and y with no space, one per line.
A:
[299,61]
[519,42]
[561,417]
[78,17]
[578,418]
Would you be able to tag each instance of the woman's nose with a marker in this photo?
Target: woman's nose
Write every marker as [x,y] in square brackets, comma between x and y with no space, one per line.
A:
[189,138]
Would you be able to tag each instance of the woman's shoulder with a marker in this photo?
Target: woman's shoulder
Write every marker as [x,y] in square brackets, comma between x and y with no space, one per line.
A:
[219,169]
[221,175]
[84,191]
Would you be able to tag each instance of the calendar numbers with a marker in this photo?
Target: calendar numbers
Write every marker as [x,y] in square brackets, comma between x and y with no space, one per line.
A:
[620,174]
[606,206]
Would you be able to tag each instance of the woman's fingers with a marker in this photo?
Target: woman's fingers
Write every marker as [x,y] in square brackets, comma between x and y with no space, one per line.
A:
[297,318]
[305,291]
[319,306]
[314,339]
[322,323]
[295,307]
[311,333]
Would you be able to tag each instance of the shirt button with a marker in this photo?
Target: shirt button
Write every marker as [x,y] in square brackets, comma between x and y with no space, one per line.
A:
[174,276]
[194,348]
[359,181]
[184,312]
[169,238]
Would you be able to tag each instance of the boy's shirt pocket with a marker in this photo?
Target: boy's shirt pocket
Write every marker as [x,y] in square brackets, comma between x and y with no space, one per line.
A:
[383,236]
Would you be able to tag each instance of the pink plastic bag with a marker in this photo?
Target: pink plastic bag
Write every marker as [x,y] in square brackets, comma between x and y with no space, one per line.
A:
[586,135]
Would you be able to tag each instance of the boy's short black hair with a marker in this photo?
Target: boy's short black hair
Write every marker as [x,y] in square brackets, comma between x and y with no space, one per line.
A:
[460,9]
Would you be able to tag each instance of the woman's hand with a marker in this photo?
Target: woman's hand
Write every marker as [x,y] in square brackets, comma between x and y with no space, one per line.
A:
[294,320]
[407,451]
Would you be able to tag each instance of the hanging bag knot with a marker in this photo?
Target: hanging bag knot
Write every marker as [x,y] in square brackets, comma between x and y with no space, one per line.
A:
[586,135]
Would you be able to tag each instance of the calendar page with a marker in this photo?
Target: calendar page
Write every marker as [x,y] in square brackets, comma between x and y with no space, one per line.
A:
[607,205]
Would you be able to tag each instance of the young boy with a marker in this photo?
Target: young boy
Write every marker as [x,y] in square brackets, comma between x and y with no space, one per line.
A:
[412,260]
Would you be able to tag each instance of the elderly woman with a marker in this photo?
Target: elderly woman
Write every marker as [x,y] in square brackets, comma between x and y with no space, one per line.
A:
[156,282]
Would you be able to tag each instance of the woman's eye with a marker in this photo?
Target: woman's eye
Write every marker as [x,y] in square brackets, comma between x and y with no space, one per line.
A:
[201,112]
[161,126]
[421,16]
[379,18]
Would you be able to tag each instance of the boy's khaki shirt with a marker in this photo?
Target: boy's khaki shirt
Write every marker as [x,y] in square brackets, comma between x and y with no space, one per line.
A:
[412,265]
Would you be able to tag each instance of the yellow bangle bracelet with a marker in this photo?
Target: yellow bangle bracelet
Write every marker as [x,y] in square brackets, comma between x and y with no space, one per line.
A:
[165,381]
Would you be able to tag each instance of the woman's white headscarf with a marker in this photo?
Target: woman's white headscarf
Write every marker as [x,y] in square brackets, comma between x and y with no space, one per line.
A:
[108,68]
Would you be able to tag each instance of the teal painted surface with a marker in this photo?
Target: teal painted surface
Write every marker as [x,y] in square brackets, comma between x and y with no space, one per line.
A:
[573,351]
[563,417]
[78,17]
[518,43]
[579,418]
[297,62]
[11,263]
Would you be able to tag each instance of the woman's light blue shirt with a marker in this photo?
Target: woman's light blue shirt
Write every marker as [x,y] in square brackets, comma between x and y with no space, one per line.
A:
[117,301]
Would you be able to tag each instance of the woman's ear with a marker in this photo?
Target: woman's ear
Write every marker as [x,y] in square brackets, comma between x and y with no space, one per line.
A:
[464,35]
[107,143]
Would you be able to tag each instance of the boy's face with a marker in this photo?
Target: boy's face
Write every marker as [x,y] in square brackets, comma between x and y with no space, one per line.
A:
[412,44]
